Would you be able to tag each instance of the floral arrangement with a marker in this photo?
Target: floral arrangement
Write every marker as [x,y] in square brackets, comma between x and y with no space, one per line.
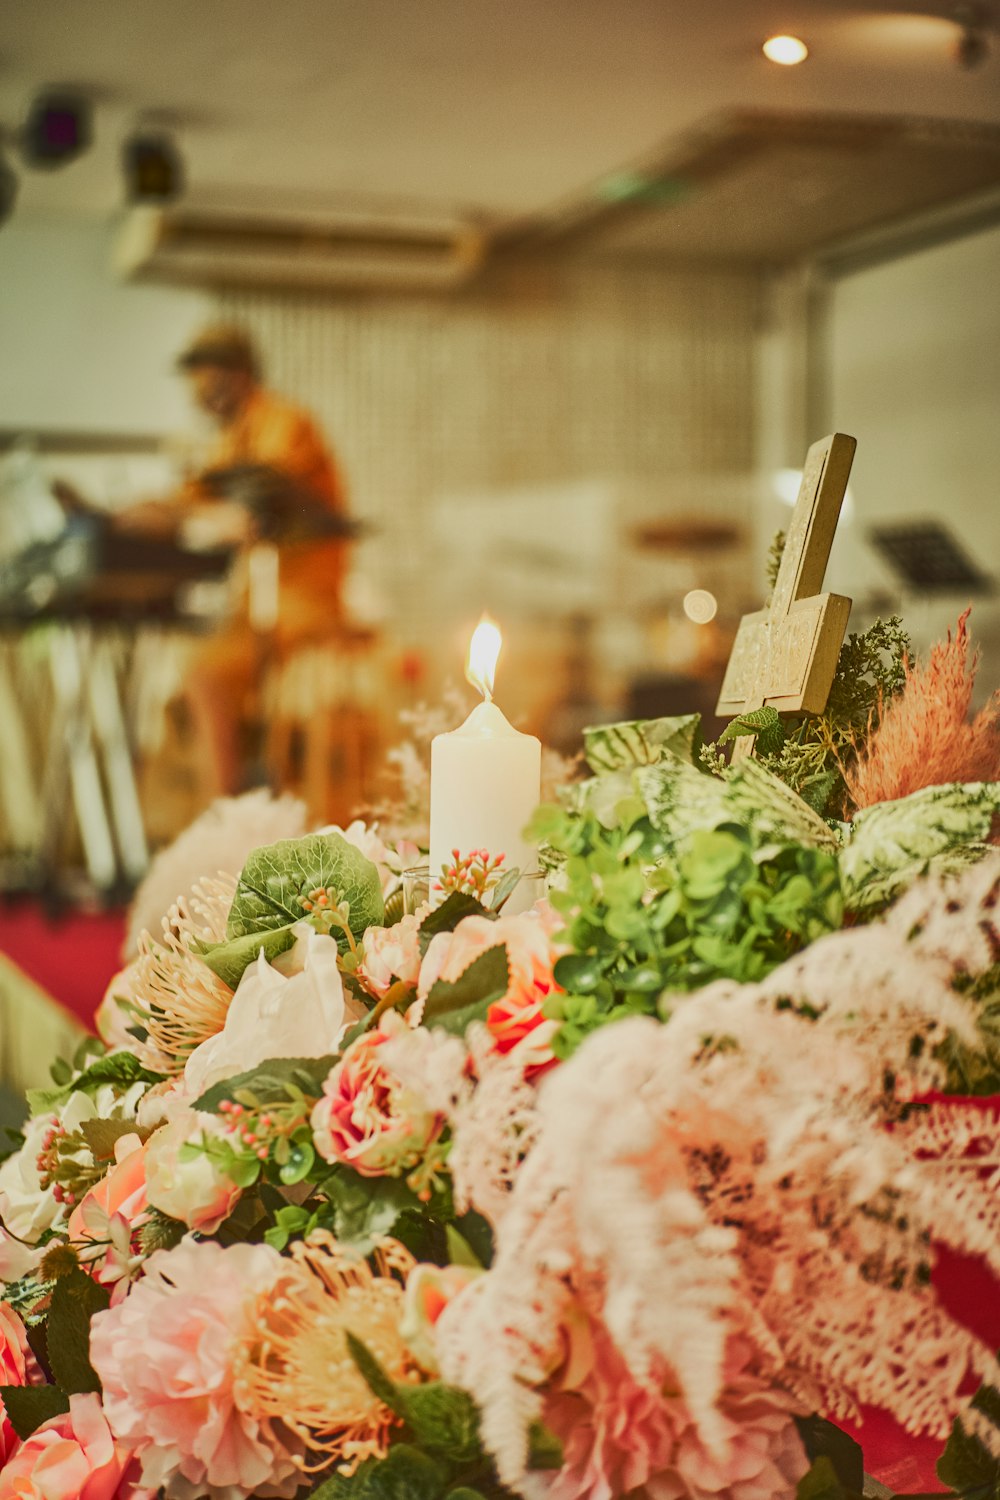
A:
[635,1194]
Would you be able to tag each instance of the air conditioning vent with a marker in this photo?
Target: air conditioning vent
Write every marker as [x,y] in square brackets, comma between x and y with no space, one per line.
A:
[199,249]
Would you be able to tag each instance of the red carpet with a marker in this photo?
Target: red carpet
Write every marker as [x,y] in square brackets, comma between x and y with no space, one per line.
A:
[72,956]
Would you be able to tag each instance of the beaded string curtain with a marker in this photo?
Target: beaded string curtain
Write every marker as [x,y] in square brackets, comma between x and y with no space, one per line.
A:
[548,374]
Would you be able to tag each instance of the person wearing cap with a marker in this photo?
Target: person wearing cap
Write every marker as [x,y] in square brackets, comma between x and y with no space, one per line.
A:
[265,447]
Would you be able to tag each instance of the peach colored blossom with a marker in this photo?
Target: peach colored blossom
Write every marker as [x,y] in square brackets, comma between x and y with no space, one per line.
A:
[122,1191]
[620,1437]
[189,1185]
[516,1021]
[429,1289]
[15,1364]
[390,953]
[73,1457]
[165,1356]
[368,1118]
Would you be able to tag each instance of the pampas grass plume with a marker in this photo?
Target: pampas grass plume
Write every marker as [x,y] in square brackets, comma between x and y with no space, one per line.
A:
[925,736]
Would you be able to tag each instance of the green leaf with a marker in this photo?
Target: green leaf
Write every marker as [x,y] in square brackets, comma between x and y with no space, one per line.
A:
[892,843]
[103,1135]
[272,1080]
[277,881]
[613,747]
[764,723]
[823,1439]
[442,1418]
[965,1463]
[821,1483]
[771,811]
[460,1252]
[545,1450]
[76,1298]
[404,1474]
[230,959]
[28,1406]
[119,1068]
[446,917]
[365,1207]
[485,980]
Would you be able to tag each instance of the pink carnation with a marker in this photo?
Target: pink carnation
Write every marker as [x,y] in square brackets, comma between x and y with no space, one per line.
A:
[620,1437]
[73,1457]
[15,1363]
[368,1118]
[165,1358]
[390,953]
[516,1021]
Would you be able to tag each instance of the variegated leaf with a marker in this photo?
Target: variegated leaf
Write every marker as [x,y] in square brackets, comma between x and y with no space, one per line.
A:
[640,742]
[763,803]
[892,843]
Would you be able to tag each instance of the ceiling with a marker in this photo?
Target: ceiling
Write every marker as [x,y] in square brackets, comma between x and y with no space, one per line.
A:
[512,111]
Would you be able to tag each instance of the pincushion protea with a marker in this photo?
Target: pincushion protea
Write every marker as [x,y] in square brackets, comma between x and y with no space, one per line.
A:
[295,1367]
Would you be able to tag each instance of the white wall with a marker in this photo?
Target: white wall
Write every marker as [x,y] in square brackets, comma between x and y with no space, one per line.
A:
[914,369]
[79,351]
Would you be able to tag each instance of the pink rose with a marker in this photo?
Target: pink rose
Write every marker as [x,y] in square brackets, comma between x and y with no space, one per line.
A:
[515,1021]
[166,1359]
[121,1192]
[429,1289]
[189,1185]
[72,1457]
[368,1118]
[390,953]
[15,1363]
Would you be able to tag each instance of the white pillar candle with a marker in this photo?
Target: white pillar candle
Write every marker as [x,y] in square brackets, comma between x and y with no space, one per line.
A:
[485,780]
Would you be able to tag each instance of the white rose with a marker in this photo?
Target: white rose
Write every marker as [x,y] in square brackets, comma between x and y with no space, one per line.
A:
[275,1015]
[189,1187]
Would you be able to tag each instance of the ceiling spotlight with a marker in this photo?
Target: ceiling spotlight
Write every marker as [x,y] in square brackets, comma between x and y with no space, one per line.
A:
[700,606]
[154,172]
[59,128]
[786,50]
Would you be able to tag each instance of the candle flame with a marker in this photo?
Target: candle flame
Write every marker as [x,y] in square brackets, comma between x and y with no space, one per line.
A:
[484,648]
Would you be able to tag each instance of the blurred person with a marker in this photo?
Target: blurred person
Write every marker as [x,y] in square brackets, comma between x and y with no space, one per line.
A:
[271,463]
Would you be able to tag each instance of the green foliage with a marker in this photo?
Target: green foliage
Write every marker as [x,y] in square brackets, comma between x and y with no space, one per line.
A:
[869,673]
[454,1005]
[28,1406]
[101,1136]
[765,724]
[773,565]
[965,1463]
[75,1299]
[159,1232]
[822,1483]
[271,1081]
[404,1474]
[455,907]
[823,1439]
[646,915]
[891,843]
[121,1069]
[321,879]
[641,742]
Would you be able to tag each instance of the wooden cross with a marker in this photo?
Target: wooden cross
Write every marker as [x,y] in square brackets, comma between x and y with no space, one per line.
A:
[786,655]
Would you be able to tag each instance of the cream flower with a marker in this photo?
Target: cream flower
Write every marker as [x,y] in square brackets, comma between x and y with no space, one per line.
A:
[390,953]
[274,1015]
[189,1185]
